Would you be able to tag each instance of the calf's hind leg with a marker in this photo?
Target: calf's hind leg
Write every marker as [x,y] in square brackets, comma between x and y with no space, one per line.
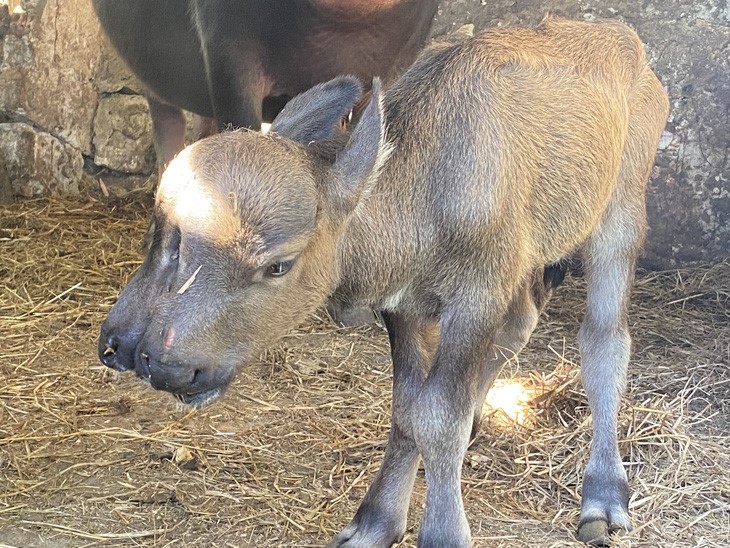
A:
[610,258]
[519,324]
[605,343]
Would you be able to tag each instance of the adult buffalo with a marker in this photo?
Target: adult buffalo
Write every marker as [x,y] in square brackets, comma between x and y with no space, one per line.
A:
[239,61]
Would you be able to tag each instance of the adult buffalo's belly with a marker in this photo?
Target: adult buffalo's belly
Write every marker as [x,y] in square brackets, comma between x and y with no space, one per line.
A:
[362,38]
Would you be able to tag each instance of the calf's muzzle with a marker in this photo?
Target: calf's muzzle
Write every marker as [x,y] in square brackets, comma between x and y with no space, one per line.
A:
[123,351]
[168,375]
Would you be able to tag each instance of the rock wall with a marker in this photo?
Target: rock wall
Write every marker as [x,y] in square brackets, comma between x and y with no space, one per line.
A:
[70,110]
[688,43]
[70,101]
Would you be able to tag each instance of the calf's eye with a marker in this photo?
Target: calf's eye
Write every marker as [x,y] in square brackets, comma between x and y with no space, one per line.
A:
[279,269]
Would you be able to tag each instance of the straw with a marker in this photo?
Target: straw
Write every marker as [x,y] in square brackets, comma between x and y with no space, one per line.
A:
[89,457]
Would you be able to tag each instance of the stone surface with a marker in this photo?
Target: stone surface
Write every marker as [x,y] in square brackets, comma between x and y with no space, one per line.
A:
[39,163]
[688,43]
[16,57]
[6,189]
[58,93]
[112,75]
[59,70]
[123,134]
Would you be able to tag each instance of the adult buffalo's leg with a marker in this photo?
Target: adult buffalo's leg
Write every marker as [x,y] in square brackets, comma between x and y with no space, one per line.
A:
[168,131]
[232,65]
[380,520]
[204,127]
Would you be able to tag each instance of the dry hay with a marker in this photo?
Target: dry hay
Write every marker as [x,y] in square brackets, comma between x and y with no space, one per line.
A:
[89,457]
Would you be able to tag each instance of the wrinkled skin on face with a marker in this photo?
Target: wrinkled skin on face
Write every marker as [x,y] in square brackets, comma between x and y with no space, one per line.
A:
[241,248]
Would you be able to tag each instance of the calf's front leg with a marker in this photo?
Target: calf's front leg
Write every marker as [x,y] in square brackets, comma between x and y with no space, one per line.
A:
[442,418]
[380,520]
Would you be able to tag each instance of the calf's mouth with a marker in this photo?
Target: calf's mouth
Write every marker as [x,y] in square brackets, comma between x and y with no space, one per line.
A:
[201,399]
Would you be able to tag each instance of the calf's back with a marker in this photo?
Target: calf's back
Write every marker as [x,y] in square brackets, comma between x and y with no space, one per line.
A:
[508,150]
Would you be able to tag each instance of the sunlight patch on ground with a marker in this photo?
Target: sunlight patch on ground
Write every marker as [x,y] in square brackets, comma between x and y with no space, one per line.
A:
[508,402]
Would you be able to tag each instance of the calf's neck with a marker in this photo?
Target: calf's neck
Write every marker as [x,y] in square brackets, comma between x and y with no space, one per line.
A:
[489,159]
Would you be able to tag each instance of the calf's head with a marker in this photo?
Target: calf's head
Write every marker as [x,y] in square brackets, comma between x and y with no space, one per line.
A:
[243,243]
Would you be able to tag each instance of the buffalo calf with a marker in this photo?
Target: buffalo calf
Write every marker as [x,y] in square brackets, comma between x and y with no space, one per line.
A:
[490,158]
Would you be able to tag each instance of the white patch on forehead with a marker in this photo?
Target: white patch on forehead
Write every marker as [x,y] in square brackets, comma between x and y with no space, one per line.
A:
[179,190]
[193,203]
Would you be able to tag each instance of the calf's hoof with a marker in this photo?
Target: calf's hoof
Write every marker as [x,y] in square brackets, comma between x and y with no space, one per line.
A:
[371,528]
[599,521]
[605,507]
[354,536]
[598,531]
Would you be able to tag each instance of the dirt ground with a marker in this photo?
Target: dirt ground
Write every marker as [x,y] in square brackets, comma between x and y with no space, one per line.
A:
[89,457]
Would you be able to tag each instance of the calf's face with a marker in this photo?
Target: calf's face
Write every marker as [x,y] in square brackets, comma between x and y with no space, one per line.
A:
[242,246]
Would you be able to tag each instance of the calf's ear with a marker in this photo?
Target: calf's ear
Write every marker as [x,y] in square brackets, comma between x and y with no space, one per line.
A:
[359,163]
[315,114]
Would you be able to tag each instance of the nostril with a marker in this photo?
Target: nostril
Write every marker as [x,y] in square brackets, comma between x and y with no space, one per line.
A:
[196,376]
[116,351]
[144,357]
[112,345]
